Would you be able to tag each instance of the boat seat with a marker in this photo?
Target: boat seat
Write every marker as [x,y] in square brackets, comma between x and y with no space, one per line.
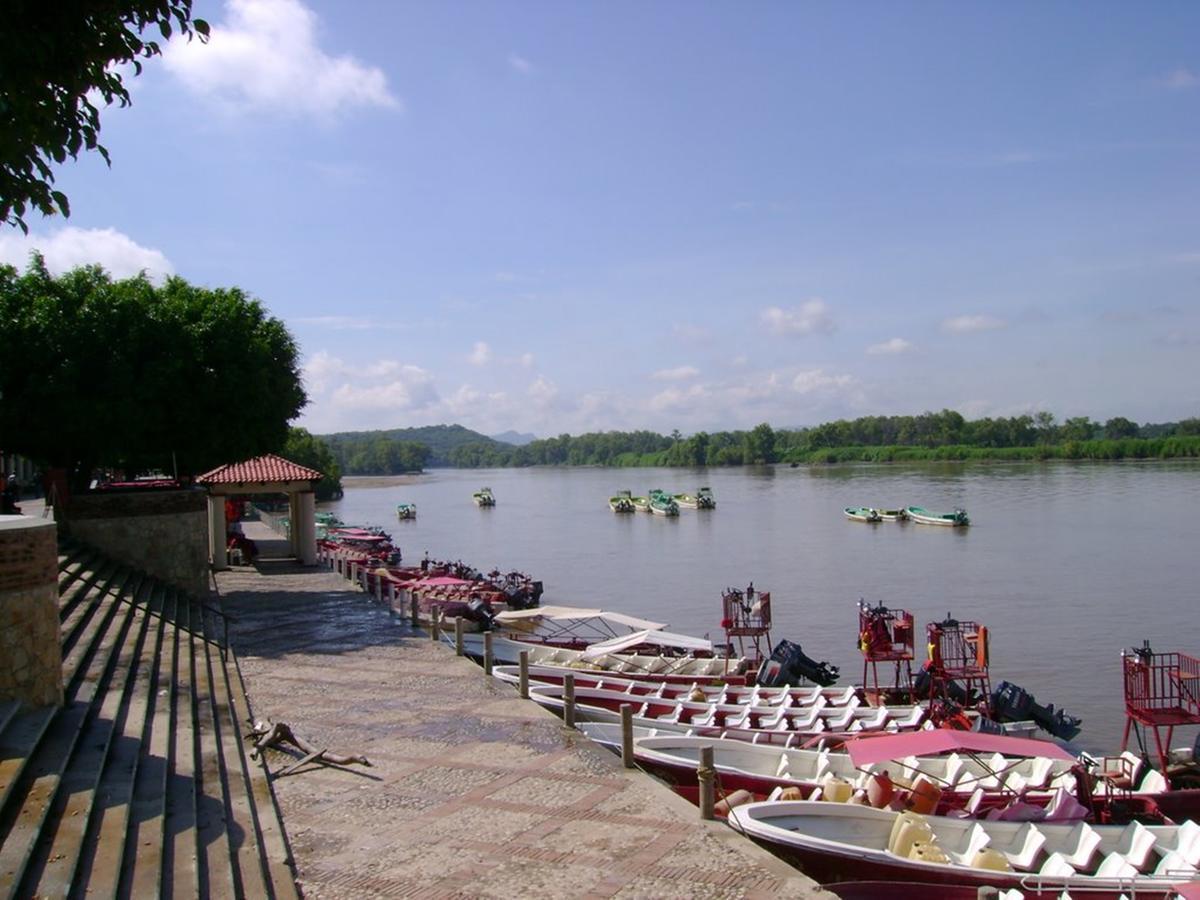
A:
[1023,848]
[1153,782]
[803,696]
[1056,866]
[1064,807]
[1182,840]
[1115,865]
[1038,772]
[804,721]
[975,839]
[1079,845]
[836,697]
[840,719]
[1134,844]
[773,719]
[911,720]
[1175,866]
[873,720]
[706,719]
[784,762]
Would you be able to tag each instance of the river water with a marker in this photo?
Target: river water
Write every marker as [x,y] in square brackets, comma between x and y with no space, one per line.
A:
[1065,563]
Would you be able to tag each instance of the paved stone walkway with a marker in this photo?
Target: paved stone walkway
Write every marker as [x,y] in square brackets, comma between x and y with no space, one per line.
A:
[473,792]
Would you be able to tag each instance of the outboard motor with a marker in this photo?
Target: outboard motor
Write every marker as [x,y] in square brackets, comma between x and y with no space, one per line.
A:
[1011,703]
[788,665]
[479,610]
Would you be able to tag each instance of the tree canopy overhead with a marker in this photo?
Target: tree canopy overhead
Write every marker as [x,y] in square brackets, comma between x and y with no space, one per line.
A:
[127,375]
[56,57]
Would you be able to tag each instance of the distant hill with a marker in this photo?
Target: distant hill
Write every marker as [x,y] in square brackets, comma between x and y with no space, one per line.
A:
[440,439]
[516,438]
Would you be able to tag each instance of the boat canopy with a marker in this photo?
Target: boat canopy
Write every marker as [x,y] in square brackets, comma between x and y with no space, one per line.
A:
[658,638]
[572,614]
[866,751]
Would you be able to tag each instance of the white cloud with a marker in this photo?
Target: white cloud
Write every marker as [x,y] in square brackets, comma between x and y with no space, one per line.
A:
[525,360]
[893,346]
[1180,79]
[520,64]
[265,56]
[679,373]
[815,381]
[71,247]
[481,354]
[811,317]
[969,324]
[542,391]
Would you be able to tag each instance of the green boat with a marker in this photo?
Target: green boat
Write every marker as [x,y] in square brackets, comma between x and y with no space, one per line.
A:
[702,499]
[928,517]
[663,504]
[640,503]
[621,502]
[862,514]
[892,515]
[406,510]
[484,497]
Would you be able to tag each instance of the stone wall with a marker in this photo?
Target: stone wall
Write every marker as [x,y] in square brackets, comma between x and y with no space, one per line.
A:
[163,533]
[30,652]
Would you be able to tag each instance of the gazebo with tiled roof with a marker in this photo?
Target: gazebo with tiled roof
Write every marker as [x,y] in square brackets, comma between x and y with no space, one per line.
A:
[269,474]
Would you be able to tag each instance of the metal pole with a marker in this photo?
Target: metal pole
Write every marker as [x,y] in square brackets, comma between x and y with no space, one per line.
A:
[627,735]
[705,777]
[489,653]
[523,684]
[458,635]
[569,700]
[435,624]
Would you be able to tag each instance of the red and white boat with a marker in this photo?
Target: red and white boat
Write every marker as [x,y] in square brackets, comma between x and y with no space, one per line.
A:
[839,842]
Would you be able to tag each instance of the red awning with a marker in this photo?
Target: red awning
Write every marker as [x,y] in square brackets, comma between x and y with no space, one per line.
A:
[865,751]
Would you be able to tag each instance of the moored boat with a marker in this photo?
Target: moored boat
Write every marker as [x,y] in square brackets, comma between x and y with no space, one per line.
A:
[622,502]
[892,515]
[642,504]
[928,517]
[484,497]
[840,841]
[702,499]
[662,504]
[862,514]
[406,510]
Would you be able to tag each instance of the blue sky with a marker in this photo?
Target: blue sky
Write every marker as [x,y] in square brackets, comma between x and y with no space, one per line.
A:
[578,216]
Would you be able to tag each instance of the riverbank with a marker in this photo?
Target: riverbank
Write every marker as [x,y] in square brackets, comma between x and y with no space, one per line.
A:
[472,792]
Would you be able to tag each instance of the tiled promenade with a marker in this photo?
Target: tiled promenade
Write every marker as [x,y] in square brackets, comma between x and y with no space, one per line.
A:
[473,792]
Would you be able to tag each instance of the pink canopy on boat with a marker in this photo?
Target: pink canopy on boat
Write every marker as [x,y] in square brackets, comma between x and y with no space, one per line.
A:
[865,751]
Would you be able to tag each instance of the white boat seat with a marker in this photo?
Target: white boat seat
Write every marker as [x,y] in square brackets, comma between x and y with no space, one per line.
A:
[1022,851]
[776,793]
[839,698]
[906,721]
[1115,865]
[805,720]
[1175,866]
[872,720]
[1056,866]
[805,695]
[1183,840]
[840,720]
[705,720]
[1064,807]
[1038,771]
[1134,843]
[772,720]
[1153,783]
[1079,844]
[973,841]
[785,762]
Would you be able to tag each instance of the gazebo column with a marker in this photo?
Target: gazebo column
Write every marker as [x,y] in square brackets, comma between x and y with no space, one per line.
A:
[294,527]
[304,528]
[216,530]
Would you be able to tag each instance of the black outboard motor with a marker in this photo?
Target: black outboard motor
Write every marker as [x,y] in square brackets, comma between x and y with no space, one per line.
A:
[1011,703]
[923,689]
[789,665]
[479,610]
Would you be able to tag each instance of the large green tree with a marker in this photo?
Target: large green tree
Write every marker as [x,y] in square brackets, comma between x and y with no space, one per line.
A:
[129,375]
[311,451]
[58,58]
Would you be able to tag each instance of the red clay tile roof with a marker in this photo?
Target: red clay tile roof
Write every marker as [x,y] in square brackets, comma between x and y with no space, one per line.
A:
[260,470]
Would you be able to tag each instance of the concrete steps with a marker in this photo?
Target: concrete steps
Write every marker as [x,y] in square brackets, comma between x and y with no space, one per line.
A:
[140,784]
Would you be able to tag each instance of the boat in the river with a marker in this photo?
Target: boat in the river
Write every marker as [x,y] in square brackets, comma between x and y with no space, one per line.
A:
[862,514]
[406,510]
[892,515]
[662,504]
[641,504]
[702,499]
[925,516]
[484,497]
[835,842]
[622,502]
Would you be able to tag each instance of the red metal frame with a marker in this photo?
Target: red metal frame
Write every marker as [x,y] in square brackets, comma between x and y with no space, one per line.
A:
[958,651]
[747,614]
[886,635]
[1162,690]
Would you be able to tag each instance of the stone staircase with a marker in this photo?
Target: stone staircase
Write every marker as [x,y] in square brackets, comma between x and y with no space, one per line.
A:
[140,785]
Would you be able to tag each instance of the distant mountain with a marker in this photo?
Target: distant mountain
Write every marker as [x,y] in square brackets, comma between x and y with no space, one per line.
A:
[440,439]
[516,438]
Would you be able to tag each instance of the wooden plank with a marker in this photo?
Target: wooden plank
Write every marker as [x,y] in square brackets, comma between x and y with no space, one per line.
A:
[277,855]
[217,878]
[142,861]
[182,860]
[52,865]
[241,828]
[38,784]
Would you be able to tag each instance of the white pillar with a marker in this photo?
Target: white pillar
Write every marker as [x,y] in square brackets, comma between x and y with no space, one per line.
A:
[216,530]
[304,529]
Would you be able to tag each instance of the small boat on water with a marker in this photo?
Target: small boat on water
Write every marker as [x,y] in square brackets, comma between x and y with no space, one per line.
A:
[928,517]
[892,515]
[702,499]
[406,510]
[835,842]
[641,504]
[662,504]
[622,502]
[484,497]
[862,514]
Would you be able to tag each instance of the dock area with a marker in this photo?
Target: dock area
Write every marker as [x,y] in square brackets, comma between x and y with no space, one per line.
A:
[472,791]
